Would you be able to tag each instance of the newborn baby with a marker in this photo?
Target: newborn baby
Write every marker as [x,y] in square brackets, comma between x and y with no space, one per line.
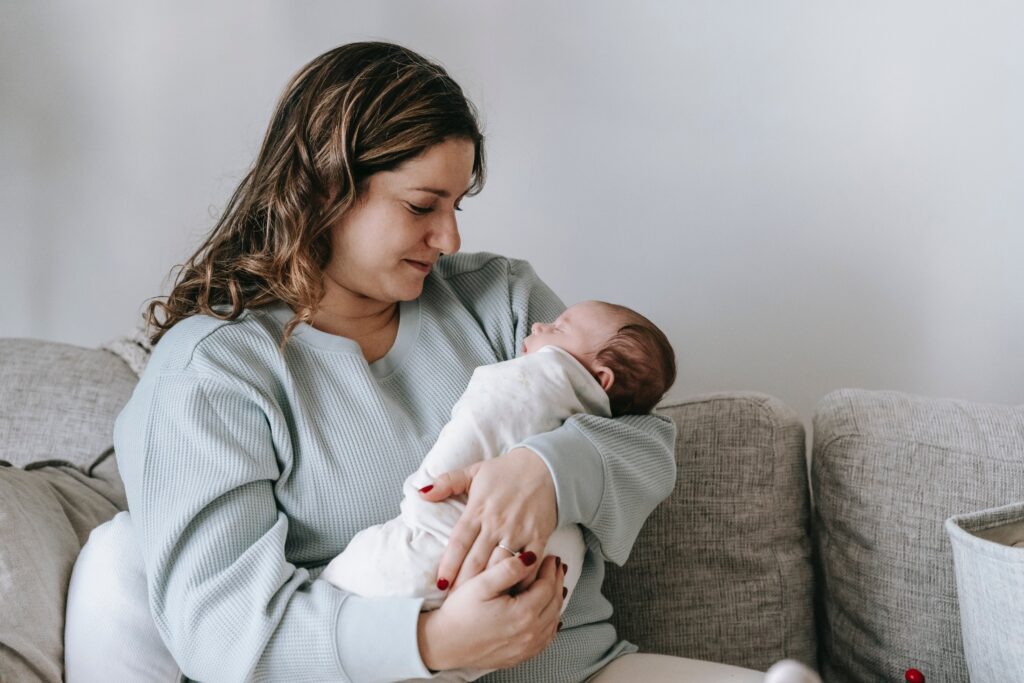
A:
[595,358]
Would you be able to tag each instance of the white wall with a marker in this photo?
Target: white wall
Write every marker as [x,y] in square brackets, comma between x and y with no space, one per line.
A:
[805,195]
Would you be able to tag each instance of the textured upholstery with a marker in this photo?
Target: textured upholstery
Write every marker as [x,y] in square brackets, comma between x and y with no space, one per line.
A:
[57,402]
[722,569]
[888,468]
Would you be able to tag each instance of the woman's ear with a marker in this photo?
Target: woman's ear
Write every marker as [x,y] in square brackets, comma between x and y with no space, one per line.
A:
[604,376]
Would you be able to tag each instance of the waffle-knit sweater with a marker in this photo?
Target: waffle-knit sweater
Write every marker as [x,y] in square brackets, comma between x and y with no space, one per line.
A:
[246,471]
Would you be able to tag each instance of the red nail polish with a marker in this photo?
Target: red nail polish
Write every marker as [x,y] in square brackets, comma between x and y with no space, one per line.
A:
[426,488]
[528,557]
[565,591]
[442,584]
[559,626]
[565,568]
[558,562]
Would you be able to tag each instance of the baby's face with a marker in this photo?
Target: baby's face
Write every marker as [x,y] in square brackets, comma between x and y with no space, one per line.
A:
[581,330]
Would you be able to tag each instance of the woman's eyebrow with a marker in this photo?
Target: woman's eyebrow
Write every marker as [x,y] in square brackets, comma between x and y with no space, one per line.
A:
[434,190]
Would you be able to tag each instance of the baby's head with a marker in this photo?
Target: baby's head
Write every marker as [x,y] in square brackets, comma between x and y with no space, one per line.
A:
[627,354]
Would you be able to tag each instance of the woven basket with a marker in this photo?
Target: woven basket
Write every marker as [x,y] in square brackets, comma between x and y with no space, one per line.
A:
[988,558]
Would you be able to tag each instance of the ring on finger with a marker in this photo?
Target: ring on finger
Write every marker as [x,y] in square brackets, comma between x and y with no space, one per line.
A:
[507,549]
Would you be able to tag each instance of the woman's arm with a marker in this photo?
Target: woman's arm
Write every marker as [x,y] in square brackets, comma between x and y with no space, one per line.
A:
[200,466]
[609,474]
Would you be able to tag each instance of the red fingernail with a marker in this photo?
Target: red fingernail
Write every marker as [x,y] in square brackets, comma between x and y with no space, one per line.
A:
[565,591]
[442,584]
[559,626]
[426,488]
[528,557]
[565,568]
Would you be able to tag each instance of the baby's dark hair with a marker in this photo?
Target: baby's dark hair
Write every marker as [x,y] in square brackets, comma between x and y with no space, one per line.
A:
[643,361]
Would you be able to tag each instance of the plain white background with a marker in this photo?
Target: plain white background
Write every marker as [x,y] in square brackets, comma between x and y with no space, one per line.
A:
[804,195]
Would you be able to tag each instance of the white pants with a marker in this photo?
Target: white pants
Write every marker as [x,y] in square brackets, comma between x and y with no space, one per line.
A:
[109,634]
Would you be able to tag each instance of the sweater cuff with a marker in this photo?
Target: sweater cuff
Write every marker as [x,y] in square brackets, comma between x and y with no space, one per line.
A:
[377,640]
[577,470]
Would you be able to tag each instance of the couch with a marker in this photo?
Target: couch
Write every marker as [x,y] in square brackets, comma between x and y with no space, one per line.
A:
[736,567]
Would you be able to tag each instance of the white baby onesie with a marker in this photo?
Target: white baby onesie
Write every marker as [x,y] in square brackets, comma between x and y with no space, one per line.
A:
[503,404]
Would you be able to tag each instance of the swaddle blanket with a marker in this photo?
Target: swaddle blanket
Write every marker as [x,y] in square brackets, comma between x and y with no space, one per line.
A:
[503,404]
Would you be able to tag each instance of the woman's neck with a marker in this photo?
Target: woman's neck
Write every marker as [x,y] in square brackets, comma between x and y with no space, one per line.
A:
[355,325]
[351,315]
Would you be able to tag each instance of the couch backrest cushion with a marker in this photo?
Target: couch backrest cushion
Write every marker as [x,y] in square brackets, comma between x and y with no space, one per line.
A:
[722,569]
[58,402]
[888,468]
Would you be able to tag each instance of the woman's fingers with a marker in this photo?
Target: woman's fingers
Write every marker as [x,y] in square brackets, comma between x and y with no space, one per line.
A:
[450,484]
[500,578]
[498,555]
[476,559]
[464,535]
[542,591]
[537,548]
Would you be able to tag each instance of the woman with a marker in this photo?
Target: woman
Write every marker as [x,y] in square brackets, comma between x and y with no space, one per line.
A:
[307,357]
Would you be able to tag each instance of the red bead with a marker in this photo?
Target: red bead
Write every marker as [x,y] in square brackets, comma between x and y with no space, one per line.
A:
[914,676]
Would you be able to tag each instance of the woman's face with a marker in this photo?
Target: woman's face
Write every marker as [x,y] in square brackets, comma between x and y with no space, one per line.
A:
[384,246]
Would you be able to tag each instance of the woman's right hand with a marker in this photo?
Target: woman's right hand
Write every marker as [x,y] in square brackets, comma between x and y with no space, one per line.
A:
[481,626]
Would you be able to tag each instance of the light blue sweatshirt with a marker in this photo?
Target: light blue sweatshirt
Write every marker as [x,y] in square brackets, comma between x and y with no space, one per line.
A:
[246,472]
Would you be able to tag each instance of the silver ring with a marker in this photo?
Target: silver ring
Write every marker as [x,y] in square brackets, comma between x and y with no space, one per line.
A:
[507,549]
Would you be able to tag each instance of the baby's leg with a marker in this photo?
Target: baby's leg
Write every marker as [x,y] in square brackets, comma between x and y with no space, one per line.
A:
[567,543]
[389,560]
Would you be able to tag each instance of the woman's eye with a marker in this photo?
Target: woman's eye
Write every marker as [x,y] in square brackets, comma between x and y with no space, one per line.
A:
[420,210]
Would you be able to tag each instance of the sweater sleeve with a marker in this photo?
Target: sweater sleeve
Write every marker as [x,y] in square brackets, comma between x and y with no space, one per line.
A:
[609,473]
[200,469]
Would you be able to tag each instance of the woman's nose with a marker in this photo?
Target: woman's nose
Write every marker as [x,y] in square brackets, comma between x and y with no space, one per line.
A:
[445,235]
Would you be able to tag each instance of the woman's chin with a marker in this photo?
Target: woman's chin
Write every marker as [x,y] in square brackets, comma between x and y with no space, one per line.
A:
[409,291]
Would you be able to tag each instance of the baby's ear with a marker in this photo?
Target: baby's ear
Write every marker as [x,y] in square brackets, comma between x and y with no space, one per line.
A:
[604,376]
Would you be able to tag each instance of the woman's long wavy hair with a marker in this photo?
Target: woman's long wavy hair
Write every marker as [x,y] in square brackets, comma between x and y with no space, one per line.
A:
[356,110]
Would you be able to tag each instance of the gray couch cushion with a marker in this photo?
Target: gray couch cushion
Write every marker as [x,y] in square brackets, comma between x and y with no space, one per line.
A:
[46,515]
[888,469]
[722,569]
[58,402]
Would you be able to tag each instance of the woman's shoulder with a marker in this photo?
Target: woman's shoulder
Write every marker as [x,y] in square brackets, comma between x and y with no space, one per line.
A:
[465,263]
[481,271]
[205,342]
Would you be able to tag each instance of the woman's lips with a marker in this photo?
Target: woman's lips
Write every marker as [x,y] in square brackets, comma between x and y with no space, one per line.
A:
[419,265]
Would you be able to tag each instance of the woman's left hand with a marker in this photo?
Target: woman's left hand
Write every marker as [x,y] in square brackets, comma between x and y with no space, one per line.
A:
[511,500]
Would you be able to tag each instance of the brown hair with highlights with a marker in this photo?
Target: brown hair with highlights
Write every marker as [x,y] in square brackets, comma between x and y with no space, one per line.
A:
[356,110]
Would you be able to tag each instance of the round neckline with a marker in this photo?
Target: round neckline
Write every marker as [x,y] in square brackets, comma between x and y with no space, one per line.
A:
[405,339]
